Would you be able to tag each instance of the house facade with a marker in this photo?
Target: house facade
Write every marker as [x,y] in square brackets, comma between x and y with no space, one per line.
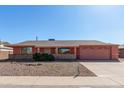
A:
[66,49]
[4,52]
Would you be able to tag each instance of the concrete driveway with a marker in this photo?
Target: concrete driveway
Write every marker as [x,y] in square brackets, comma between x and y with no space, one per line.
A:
[113,71]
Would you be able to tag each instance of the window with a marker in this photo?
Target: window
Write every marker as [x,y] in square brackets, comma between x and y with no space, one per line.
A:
[64,50]
[26,50]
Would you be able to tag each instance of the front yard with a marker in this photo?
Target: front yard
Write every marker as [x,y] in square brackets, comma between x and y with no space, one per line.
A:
[44,69]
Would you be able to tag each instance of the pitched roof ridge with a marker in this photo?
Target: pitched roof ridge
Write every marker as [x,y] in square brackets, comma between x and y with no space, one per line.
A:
[61,40]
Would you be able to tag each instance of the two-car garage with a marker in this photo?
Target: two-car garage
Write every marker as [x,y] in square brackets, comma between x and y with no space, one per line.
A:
[95,52]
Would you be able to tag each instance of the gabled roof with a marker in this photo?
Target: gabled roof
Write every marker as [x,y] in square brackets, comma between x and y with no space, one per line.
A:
[46,43]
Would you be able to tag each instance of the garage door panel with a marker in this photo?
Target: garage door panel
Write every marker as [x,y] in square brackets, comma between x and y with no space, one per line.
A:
[94,53]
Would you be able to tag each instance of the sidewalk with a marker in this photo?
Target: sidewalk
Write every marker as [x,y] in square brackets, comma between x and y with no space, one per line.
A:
[22,81]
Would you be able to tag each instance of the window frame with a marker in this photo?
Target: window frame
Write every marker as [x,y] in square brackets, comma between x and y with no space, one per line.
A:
[26,50]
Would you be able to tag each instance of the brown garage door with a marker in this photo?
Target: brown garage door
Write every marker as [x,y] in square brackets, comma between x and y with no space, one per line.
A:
[94,53]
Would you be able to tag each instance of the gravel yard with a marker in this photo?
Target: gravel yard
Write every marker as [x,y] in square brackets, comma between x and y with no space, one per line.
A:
[44,69]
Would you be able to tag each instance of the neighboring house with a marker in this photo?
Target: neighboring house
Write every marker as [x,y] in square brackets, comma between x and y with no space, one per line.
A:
[121,51]
[66,49]
[5,51]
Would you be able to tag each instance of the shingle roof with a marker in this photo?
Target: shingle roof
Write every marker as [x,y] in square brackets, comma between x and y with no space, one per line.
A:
[46,43]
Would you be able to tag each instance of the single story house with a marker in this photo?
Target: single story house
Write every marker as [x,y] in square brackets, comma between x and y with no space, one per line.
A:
[66,49]
[5,51]
[121,51]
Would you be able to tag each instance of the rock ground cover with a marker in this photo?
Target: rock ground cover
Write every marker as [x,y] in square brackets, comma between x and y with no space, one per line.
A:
[44,69]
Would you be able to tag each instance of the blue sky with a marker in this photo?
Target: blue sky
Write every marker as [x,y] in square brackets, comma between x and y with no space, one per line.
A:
[20,23]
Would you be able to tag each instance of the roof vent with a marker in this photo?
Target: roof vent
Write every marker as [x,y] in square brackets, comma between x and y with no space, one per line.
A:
[51,39]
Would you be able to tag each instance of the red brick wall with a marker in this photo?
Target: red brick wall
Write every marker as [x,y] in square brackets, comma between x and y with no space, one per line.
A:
[94,52]
[91,52]
[114,52]
[99,52]
[72,50]
[52,50]
[34,50]
[41,50]
[16,50]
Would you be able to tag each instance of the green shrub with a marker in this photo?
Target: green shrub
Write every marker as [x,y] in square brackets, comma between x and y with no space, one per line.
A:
[51,57]
[43,57]
[37,57]
[47,57]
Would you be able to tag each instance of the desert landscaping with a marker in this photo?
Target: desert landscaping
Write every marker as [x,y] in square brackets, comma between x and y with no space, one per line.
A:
[44,69]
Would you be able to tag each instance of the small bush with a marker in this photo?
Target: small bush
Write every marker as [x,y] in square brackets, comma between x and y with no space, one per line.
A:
[51,57]
[43,57]
[47,57]
[37,57]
